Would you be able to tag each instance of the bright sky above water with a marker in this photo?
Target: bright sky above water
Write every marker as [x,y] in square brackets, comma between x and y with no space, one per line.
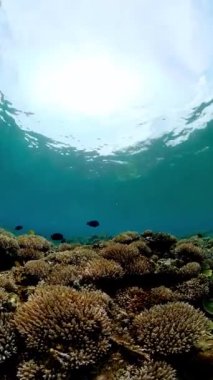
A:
[103,74]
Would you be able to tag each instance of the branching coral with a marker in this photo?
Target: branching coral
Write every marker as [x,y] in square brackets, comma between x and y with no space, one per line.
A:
[189,252]
[36,242]
[134,299]
[62,274]
[32,272]
[158,241]
[192,290]
[8,251]
[32,370]
[102,269]
[72,326]
[170,329]
[191,269]
[142,247]
[8,346]
[151,370]
[78,256]
[126,237]
[128,257]
[119,368]
[121,253]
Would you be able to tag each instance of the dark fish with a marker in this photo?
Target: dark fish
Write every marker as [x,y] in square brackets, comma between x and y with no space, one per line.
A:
[93,223]
[17,228]
[57,236]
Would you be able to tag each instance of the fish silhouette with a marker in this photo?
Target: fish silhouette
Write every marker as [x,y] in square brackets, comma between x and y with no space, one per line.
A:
[18,228]
[93,223]
[57,236]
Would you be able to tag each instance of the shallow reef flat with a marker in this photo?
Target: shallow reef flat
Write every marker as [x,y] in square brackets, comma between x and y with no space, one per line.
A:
[137,306]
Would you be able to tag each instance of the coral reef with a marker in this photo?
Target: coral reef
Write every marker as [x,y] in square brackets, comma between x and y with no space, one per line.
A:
[8,345]
[170,329]
[133,306]
[71,326]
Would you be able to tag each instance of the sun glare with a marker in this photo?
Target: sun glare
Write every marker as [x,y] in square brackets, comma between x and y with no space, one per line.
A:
[91,86]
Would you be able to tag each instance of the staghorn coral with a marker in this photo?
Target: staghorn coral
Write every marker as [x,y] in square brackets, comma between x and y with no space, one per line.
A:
[128,257]
[8,251]
[126,237]
[142,247]
[160,295]
[27,254]
[121,253]
[151,370]
[73,327]
[134,299]
[65,247]
[189,252]
[62,274]
[119,367]
[166,267]
[191,269]
[172,328]
[79,256]
[7,282]
[32,272]
[8,345]
[102,269]
[8,301]
[34,370]
[34,242]
[192,290]
[159,242]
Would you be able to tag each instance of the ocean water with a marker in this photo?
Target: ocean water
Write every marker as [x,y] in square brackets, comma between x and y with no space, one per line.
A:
[106,116]
[154,185]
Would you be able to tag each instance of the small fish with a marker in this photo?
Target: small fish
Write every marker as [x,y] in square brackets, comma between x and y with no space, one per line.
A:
[93,223]
[57,236]
[18,228]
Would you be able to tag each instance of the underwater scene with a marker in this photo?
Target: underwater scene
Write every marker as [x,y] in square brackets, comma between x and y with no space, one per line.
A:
[106,190]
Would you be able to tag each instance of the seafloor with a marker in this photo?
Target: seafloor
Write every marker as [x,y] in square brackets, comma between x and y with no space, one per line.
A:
[135,307]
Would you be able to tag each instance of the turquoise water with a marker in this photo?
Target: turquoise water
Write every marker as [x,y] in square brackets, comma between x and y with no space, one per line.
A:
[163,187]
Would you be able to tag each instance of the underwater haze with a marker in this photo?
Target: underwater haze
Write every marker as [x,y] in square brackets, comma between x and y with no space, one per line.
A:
[106,113]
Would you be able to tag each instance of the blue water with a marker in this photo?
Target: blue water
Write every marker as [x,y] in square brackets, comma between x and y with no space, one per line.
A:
[167,188]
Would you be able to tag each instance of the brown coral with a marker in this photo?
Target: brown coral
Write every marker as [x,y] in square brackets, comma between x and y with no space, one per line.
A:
[170,329]
[128,257]
[121,253]
[8,346]
[126,237]
[62,274]
[159,241]
[33,370]
[79,256]
[32,272]
[134,299]
[151,370]
[192,290]
[8,251]
[191,269]
[34,242]
[189,252]
[102,269]
[142,247]
[72,326]
[118,368]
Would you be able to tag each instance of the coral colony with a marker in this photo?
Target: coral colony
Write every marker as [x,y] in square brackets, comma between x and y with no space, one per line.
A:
[135,307]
